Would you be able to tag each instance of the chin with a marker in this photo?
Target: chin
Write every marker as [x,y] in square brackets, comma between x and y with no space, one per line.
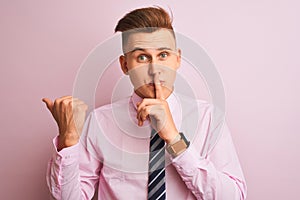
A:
[151,95]
[145,94]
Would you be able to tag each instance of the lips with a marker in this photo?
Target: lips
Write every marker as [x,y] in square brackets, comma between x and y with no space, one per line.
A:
[152,83]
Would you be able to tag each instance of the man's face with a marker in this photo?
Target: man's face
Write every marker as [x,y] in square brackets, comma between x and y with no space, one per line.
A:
[151,58]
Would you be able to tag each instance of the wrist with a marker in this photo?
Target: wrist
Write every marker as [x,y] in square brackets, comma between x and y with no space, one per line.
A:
[67,140]
[172,139]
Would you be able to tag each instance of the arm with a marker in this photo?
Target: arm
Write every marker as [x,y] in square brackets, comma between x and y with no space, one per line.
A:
[72,173]
[217,176]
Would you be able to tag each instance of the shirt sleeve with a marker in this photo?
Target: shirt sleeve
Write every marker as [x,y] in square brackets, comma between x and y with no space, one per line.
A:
[215,176]
[72,172]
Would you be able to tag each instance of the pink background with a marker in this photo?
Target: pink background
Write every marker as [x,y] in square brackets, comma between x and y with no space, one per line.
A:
[254,44]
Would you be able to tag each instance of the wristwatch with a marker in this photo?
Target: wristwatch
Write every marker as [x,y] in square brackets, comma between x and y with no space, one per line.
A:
[179,146]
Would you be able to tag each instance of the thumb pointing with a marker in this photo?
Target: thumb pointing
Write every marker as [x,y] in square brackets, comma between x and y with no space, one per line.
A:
[48,103]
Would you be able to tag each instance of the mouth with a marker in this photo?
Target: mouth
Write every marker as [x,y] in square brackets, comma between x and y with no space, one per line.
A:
[152,83]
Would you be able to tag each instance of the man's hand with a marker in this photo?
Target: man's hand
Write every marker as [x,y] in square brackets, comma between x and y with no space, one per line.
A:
[157,110]
[69,113]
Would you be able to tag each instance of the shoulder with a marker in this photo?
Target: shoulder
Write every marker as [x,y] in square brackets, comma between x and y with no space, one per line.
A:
[107,111]
[191,105]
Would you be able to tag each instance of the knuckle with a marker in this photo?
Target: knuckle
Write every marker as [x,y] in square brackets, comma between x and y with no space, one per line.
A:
[56,101]
[64,102]
[146,110]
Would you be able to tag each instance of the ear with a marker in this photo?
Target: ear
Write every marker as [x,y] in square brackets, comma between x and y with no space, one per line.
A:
[178,58]
[123,63]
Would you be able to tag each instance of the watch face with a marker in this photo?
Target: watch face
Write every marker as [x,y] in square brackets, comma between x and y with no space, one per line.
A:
[178,147]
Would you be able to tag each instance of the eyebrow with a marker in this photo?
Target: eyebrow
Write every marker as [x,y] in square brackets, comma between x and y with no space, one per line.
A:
[142,49]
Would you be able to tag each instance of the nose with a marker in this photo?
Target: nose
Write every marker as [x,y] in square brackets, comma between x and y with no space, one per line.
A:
[154,68]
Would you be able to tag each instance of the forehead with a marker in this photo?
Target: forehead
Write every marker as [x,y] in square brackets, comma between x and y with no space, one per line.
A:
[162,38]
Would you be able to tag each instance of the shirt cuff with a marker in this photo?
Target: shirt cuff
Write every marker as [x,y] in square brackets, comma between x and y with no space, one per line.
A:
[188,160]
[66,156]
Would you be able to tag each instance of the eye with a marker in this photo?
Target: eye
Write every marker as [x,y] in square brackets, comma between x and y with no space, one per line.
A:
[163,55]
[142,58]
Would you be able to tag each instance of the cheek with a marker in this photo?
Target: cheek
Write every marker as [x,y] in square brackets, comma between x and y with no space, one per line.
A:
[136,81]
[130,65]
[173,64]
[169,72]
[170,79]
[138,76]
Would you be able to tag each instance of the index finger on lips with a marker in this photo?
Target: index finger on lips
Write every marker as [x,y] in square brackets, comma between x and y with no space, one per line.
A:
[158,88]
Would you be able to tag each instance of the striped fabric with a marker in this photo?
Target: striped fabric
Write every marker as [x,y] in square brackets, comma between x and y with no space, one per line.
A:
[156,181]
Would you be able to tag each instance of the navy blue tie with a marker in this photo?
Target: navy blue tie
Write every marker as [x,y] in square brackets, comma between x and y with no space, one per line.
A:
[156,181]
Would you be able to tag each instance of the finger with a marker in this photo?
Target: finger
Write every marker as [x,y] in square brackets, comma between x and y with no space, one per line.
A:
[80,104]
[138,116]
[147,102]
[65,103]
[143,115]
[139,113]
[158,88]
[77,102]
[65,97]
[48,103]
[58,101]
[67,100]
[140,123]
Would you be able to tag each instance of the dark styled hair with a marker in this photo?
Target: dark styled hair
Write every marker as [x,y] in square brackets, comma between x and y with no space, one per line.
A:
[145,20]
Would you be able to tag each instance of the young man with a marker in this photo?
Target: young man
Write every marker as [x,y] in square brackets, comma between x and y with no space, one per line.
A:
[134,148]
